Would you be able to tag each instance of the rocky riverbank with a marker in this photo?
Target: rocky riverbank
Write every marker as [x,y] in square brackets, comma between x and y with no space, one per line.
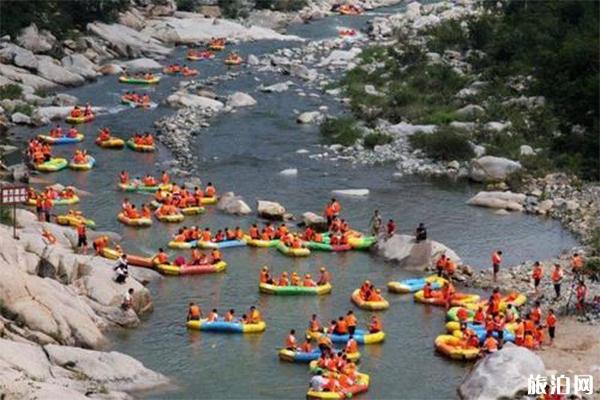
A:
[56,303]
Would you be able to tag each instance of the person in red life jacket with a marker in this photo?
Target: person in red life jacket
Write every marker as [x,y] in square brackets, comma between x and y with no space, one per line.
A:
[556,276]
[440,264]
[490,345]
[581,293]
[496,261]
[576,264]
[253,232]
[210,190]
[314,325]
[537,274]
[536,313]
[391,228]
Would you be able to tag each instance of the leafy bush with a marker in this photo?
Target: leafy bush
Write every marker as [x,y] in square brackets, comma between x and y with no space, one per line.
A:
[376,139]
[444,144]
[340,131]
[5,215]
[23,109]
[10,91]
[448,36]
[280,5]
[595,241]
[232,8]
[592,268]
[187,5]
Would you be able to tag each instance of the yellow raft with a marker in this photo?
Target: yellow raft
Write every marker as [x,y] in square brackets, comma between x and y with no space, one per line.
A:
[369,305]
[74,220]
[111,143]
[361,386]
[170,218]
[138,222]
[294,290]
[451,347]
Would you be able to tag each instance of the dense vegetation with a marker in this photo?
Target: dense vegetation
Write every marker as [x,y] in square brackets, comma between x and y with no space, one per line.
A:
[57,16]
[556,43]
[342,131]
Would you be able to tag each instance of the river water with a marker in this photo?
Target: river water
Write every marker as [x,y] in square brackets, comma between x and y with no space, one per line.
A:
[243,152]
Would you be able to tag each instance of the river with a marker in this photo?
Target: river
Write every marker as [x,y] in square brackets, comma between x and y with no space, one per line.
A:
[243,152]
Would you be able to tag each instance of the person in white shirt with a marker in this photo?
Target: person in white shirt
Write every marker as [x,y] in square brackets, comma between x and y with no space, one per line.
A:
[127,300]
[317,382]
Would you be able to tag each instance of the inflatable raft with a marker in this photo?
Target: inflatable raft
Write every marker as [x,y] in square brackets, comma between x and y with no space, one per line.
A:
[450,346]
[304,357]
[415,284]
[169,269]
[91,161]
[291,252]
[360,386]
[360,335]
[80,120]
[328,247]
[362,242]
[369,305]
[458,299]
[142,148]
[111,143]
[129,187]
[137,222]
[137,261]
[53,165]
[139,81]
[226,327]
[260,242]
[74,220]
[61,140]
[175,244]
[294,290]
[225,244]
[58,202]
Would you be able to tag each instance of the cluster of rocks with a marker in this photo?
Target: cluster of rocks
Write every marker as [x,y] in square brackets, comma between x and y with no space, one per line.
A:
[55,302]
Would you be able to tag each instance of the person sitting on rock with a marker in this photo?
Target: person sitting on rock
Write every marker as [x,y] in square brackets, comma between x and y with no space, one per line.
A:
[127,300]
[122,269]
[421,233]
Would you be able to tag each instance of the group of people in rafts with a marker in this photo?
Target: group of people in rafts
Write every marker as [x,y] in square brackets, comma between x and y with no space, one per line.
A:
[59,132]
[136,97]
[197,258]
[143,139]
[182,69]
[368,292]
[78,112]
[130,211]
[294,279]
[39,151]
[190,234]
[253,315]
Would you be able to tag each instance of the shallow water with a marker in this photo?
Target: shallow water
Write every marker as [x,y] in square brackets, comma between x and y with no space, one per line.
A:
[243,152]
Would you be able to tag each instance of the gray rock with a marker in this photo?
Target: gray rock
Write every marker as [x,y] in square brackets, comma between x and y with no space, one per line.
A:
[37,41]
[453,165]
[270,210]
[20,118]
[81,65]
[310,117]
[404,250]
[351,192]
[50,69]
[464,126]
[526,150]
[316,222]
[252,60]
[232,204]
[240,99]
[405,129]
[63,99]
[490,169]
[110,69]
[128,42]
[276,88]
[497,127]
[19,56]
[500,200]
[19,173]
[289,172]
[184,99]
[470,111]
[501,375]
[302,72]
[141,64]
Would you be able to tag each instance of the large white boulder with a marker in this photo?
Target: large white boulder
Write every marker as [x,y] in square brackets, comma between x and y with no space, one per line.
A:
[501,375]
[270,210]
[81,65]
[276,87]
[52,70]
[196,29]
[406,129]
[128,42]
[20,75]
[37,41]
[340,57]
[492,169]
[141,64]
[470,111]
[310,117]
[404,250]
[315,221]
[185,99]
[240,99]
[231,204]
[351,192]
[11,53]
[501,200]
[301,71]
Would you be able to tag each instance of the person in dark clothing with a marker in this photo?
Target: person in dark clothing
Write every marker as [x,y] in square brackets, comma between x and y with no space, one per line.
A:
[421,233]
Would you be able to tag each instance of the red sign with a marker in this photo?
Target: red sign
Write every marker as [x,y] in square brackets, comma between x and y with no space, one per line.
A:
[13,194]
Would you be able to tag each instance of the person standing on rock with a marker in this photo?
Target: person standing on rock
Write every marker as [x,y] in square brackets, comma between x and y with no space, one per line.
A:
[421,233]
[390,228]
[496,261]
[122,269]
[376,222]
[82,237]
[557,275]
[576,265]
[47,208]
[580,293]
[127,300]
[440,264]
[537,274]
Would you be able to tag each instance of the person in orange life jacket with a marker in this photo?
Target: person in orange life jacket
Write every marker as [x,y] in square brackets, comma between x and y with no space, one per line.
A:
[519,332]
[551,324]
[264,276]
[290,340]
[450,269]
[305,347]
[325,277]
[556,277]
[210,190]
[219,236]
[82,237]
[440,265]
[314,325]
[161,257]
[194,312]
[215,256]
[490,345]
[47,208]
[496,261]
[324,342]
[253,232]
[72,133]
[499,325]
[341,328]
[308,282]
[283,279]
[576,264]
[229,235]
[536,274]
[375,325]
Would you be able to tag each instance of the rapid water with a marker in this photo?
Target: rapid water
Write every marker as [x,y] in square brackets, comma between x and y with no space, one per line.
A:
[243,152]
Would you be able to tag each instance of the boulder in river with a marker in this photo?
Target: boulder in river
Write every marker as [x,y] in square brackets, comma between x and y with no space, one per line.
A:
[340,57]
[501,200]
[270,210]
[315,221]
[231,204]
[310,117]
[404,250]
[289,172]
[502,375]
[141,64]
[184,99]
[351,192]
[240,99]
[276,87]
[492,169]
